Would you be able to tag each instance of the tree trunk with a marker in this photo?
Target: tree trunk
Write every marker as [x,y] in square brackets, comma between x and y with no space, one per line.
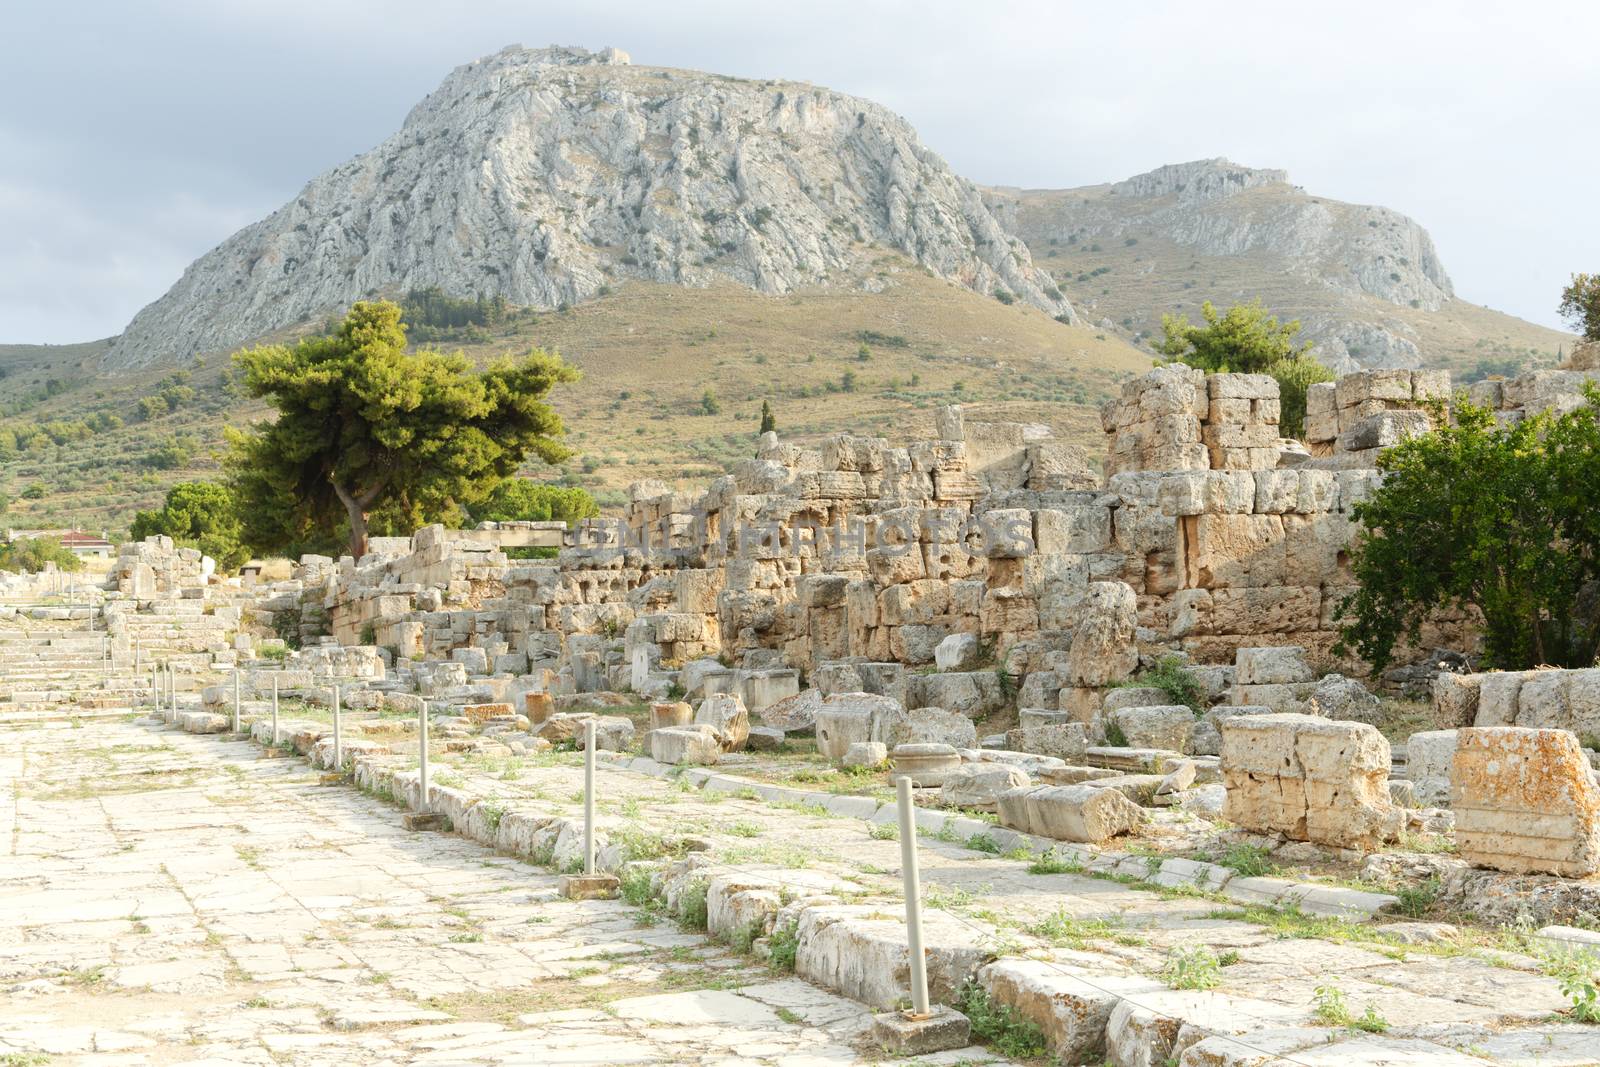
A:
[356,509]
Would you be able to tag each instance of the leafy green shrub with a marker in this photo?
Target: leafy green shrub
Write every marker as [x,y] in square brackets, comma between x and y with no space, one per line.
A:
[1173,678]
[1055,862]
[692,907]
[30,555]
[635,887]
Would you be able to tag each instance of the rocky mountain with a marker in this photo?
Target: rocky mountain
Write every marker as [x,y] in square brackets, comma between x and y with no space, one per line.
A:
[548,176]
[1366,282]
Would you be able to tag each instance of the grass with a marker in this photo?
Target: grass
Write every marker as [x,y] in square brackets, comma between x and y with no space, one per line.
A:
[636,413]
[1062,928]
[1417,900]
[1056,862]
[1251,861]
[783,945]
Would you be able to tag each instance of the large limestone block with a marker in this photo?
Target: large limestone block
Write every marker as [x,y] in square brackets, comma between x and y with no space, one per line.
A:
[1525,801]
[1275,665]
[846,718]
[1309,779]
[979,785]
[685,744]
[1068,812]
[1103,649]
[726,714]
[1429,756]
[1164,726]
[1455,699]
[928,726]
[796,714]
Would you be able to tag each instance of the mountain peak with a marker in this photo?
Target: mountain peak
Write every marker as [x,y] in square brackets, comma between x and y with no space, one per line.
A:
[545,176]
[1201,179]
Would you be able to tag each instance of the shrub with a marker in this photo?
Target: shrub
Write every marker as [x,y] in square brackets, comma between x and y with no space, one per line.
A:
[1172,677]
[1004,296]
[1494,520]
[783,946]
[1249,861]
[1415,900]
[30,555]
[1000,1025]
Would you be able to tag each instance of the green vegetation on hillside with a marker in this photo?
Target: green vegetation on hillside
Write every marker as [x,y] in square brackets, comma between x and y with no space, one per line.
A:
[1497,519]
[368,433]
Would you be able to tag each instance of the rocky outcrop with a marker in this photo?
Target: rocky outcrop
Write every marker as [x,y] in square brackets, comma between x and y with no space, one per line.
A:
[544,175]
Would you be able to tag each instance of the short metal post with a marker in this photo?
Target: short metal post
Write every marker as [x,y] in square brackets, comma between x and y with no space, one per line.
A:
[235,699]
[274,709]
[155,689]
[588,796]
[913,894]
[422,758]
[338,738]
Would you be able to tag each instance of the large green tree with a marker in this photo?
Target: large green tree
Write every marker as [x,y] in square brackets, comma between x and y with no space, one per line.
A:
[197,515]
[371,436]
[1495,519]
[1247,340]
[31,554]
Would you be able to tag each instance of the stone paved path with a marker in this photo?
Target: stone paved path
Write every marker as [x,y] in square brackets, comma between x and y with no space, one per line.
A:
[168,898]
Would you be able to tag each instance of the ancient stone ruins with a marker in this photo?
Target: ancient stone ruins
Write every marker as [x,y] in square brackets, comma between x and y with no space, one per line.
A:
[1159,822]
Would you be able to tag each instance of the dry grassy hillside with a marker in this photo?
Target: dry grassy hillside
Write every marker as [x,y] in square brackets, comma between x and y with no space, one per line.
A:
[649,352]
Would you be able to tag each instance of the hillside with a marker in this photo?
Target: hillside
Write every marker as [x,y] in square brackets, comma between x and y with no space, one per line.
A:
[545,177]
[649,351]
[1366,282]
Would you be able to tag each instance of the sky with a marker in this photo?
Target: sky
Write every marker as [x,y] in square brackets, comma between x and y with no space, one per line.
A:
[136,136]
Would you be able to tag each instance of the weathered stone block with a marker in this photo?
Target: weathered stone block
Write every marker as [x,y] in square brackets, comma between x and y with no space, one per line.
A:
[1309,779]
[1068,812]
[1525,801]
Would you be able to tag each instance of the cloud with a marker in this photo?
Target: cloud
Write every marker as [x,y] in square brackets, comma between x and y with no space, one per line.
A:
[155,130]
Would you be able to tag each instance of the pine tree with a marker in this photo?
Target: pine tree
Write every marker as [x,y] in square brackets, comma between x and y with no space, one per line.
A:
[769,421]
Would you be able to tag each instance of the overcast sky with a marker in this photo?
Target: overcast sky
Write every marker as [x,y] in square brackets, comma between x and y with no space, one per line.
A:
[135,136]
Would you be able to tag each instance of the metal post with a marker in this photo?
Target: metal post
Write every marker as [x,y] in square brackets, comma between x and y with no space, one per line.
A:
[913,894]
[588,796]
[236,699]
[274,709]
[422,756]
[338,739]
[155,689]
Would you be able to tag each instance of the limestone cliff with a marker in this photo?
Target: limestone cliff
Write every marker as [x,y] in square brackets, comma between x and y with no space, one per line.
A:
[1337,265]
[545,175]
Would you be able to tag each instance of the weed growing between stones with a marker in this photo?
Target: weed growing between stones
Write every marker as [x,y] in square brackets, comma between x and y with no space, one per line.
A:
[1334,1010]
[692,908]
[1053,861]
[983,842]
[1192,968]
[1251,861]
[783,945]
[1416,900]
[884,831]
[1060,928]
[999,1025]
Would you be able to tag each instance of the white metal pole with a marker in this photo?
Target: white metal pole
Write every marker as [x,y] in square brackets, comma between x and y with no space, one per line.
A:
[338,740]
[913,894]
[588,796]
[236,698]
[422,757]
[155,689]
[274,710]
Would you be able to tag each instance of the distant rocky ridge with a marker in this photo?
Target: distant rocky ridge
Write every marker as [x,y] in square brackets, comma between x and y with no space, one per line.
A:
[546,175]
[1218,208]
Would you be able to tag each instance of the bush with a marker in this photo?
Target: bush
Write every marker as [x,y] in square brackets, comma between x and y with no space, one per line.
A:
[1004,296]
[197,515]
[1295,377]
[1173,678]
[1000,1025]
[30,555]
[1494,520]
